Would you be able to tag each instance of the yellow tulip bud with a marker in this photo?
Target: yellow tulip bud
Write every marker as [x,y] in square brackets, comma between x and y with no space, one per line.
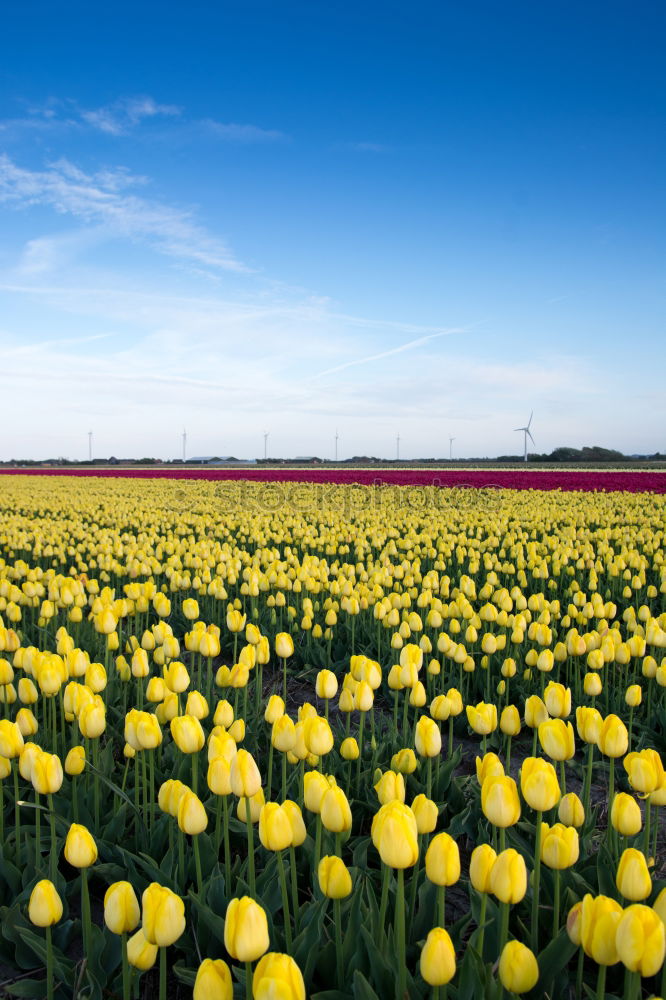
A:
[557,739]
[213,980]
[559,846]
[499,800]
[394,834]
[390,787]
[426,812]
[45,906]
[335,811]
[508,877]
[80,847]
[613,739]
[641,940]
[245,776]
[633,878]
[443,860]
[277,976]
[274,827]
[334,878]
[187,733]
[571,811]
[245,930]
[141,953]
[75,761]
[626,815]
[121,908]
[438,958]
[163,915]
[518,968]
[191,814]
[481,865]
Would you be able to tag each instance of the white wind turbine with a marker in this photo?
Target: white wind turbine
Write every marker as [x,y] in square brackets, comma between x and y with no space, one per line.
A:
[526,431]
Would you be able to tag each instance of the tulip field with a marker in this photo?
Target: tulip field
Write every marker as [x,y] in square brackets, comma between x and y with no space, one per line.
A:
[345,741]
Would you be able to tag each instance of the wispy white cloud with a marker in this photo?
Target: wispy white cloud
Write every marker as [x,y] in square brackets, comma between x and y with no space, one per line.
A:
[233,132]
[121,116]
[125,115]
[102,199]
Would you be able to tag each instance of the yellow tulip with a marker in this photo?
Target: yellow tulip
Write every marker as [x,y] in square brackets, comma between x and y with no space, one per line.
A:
[245,930]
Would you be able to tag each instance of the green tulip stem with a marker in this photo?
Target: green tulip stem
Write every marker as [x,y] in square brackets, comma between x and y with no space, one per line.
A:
[579,973]
[195,771]
[53,856]
[450,736]
[360,751]
[250,848]
[504,927]
[227,846]
[338,942]
[85,911]
[601,983]
[414,883]
[38,832]
[317,854]
[269,781]
[17,811]
[181,858]
[285,901]
[49,964]
[294,886]
[508,754]
[534,932]
[248,980]
[197,863]
[441,905]
[648,816]
[632,984]
[284,776]
[654,841]
[611,796]
[95,755]
[482,922]
[151,764]
[631,726]
[353,634]
[218,823]
[405,714]
[399,928]
[163,974]
[556,903]
[588,780]
[395,712]
[284,680]
[534,741]
[75,798]
[386,874]
[563,778]
[126,978]
[2,812]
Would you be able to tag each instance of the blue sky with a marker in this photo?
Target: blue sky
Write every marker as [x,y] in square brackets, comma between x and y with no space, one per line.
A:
[427,219]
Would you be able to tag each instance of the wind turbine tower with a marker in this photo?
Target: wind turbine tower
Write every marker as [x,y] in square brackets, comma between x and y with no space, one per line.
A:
[184,444]
[90,446]
[526,432]
[266,433]
[451,440]
[397,448]
[336,445]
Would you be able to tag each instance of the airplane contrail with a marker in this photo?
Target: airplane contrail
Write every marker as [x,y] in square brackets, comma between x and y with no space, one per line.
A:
[394,350]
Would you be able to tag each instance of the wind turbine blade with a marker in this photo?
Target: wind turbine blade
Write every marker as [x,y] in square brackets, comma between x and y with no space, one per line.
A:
[515,429]
[529,422]
[530,434]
